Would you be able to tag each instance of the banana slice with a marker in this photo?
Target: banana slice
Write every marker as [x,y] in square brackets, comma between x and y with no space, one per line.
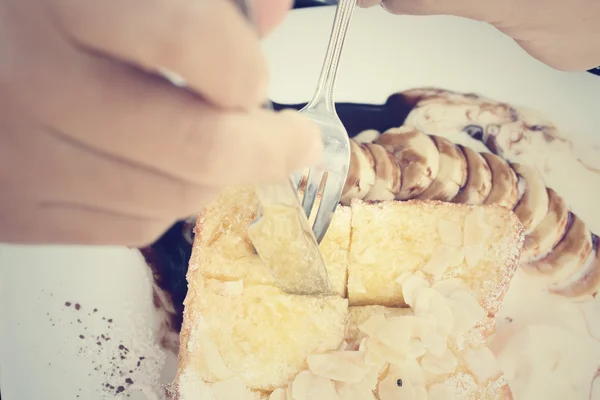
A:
[569,255]
[367,136]
[452,173]
[533,206]
[478,186]
[548,232]
[361,174]
[417,157]
[505,190]
[388,176]
[586,286]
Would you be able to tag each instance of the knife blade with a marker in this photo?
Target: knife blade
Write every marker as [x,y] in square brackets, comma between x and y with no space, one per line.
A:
[285,242]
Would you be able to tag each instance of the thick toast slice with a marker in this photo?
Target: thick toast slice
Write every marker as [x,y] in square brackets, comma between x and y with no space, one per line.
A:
[242,337]
[478,244]
[246,331]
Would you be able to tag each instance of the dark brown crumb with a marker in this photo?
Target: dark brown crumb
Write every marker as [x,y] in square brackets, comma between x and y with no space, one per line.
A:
[68,303]
[81,337]
[77,306]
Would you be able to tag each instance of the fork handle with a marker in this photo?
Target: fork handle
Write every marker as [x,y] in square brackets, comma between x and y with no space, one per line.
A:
[324,94]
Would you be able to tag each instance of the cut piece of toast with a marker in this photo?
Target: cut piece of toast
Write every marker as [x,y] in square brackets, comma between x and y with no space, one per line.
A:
[222,249]
[246,331]
[242,336]
[478,244]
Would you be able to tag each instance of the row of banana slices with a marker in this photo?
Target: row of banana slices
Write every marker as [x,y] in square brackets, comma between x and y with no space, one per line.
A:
[404,163]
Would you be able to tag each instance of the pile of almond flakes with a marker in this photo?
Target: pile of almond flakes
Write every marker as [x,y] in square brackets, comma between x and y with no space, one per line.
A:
[414,352]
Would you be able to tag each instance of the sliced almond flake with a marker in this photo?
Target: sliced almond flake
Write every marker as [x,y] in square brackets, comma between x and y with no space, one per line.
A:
[421,393]
[441,311]
[355,391]
[442,365]
[411,370]
[374,353]
[426,323]
[470,303]
[448,286]
[440,391]
[397,331]
[459,256]
[388,388]
[279,394]
[342,366]
[482,364]
[464,321]
[441,259]
[435,343]
[422,300]
[473,255]
[415,348]
[410,286]
[450,233]
[372,377]
[233,388]
[308,386]
[378,352]
[429,377]
[233,287]
[213,358]
[476,231]
[371,326]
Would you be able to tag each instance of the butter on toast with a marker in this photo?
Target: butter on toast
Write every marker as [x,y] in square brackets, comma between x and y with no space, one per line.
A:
[243,338]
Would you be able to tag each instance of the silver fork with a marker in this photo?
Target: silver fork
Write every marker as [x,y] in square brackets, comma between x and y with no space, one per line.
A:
[332,169]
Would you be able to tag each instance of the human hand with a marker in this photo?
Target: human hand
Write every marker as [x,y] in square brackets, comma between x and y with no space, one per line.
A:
[564,34]
[96,150]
